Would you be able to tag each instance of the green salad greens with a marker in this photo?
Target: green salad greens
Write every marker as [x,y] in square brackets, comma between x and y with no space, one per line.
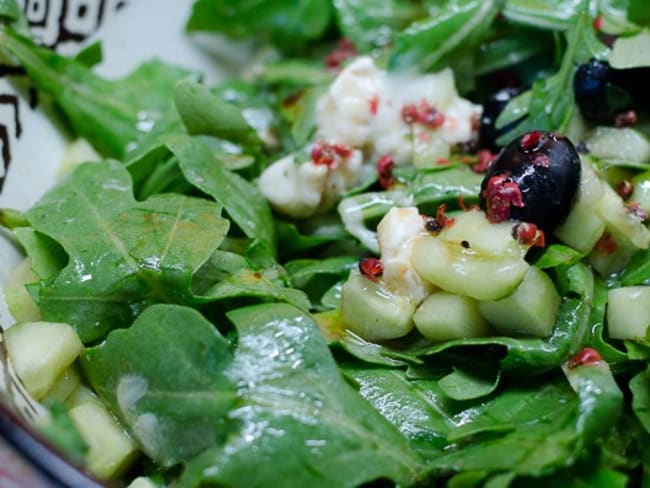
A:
[229,337]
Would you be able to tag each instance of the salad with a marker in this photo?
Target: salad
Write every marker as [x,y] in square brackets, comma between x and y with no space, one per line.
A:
[407,246]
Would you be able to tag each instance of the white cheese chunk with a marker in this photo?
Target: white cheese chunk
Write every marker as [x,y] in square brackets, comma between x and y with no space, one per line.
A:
[363,108]
[302,189]
[396,233]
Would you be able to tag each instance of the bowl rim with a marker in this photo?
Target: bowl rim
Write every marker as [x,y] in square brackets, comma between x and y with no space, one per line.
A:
[52,465]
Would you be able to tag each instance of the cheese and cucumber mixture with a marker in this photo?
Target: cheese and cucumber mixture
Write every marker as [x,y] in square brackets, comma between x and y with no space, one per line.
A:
[405,245]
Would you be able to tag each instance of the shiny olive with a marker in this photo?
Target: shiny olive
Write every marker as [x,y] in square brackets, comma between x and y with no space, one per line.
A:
[534,179]
[602,92]
[492,108]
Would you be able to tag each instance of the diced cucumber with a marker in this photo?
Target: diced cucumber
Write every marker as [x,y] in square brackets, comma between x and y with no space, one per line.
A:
[628,312]
[612,256]
[619,219]
[530,310]
[372,311]
[483,236]
[429,149]
[80,395]
[142,482]
[110,448]
[19,301]
[641,193]
[625,144]
[444,316]
[465,271]
[65,385]
[41,352]
[581,229]
[584,225]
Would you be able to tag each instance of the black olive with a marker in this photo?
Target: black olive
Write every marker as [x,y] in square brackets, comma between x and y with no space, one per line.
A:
[534,179]
[601,92]
[492,108]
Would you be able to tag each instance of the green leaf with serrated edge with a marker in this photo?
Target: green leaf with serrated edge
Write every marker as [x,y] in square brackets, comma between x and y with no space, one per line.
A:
[640,388]
[123,254]
[374,23]
[114,116]
[298,403]
[246,282]
[239,197]
[548,105]
[48,258]
[544,14]
[425,43]
[557,255]
[469,385]
[303,270]
[206,113]
[167,378]
[288,23]
[418,408]
[535,431]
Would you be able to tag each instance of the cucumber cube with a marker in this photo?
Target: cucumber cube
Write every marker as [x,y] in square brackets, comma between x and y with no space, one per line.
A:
[142,482]
[530,310]
[483,236]
[619,219]
[65,385]
[628,312]
[581,229]
[82,394]
[19,301]
[374,312]
[41,352]
[446,316]
[584,225]
[612,255]
[110,449]
[624,144]
[641,193]
[464,271]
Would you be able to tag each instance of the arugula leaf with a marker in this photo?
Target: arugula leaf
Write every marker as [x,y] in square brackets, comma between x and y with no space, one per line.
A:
[418,408]
[292,242]
[557,255]
[373,23]
[167,378]
[10,9]
[48,258]
[426,43]
[240,198]
[545,14]
[112,115]
[205,113]
[287,23]
[468,385]
[358,347]
[547,435]
[234,278]
[548,105]
[123,254]
[524,429]
[316,276]
[638,12]
[336,438]
[640,388]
